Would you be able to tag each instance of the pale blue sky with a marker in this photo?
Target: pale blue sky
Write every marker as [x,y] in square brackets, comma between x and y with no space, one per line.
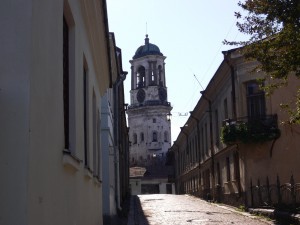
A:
[188,32]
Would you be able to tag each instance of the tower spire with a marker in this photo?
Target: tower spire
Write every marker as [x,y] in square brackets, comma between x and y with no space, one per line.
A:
[146,40]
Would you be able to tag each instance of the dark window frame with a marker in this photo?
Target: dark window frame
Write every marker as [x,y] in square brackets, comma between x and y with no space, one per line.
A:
[66,83]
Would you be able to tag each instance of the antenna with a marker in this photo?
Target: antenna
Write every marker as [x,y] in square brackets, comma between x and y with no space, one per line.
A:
[146,28]
[198,82]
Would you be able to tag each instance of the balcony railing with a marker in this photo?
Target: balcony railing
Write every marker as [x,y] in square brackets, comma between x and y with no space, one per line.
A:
[250,129]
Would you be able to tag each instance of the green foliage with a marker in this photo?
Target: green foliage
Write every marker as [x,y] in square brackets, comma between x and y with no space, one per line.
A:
[242,208]
[253,132]
[273,27]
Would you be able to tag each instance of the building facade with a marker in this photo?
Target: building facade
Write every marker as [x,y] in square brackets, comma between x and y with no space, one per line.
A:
[55,62]
[233,147]
[114,140]
[149,128]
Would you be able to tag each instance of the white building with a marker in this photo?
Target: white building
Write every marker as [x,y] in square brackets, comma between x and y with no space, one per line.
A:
[149,128]
[114,141]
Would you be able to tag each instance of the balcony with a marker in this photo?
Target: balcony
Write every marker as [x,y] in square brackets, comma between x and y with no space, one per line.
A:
[250,130]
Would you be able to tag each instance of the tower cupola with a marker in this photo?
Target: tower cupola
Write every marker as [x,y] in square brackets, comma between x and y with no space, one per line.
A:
[147,49]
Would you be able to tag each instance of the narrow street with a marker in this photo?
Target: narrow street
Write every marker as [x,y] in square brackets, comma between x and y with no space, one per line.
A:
[162,209]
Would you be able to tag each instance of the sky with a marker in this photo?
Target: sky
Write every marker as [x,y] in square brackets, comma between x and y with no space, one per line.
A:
[188,32]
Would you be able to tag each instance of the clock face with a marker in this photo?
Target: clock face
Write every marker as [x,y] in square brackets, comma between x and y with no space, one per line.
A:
[162,94]
[140,96]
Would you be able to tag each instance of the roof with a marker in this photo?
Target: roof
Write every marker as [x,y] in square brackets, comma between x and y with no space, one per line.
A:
[137,171]
[147,49]
[157,170]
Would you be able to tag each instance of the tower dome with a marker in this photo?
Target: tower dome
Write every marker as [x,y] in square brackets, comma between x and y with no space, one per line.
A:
[147,49]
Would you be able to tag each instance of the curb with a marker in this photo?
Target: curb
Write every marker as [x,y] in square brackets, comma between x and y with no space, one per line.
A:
[272,213]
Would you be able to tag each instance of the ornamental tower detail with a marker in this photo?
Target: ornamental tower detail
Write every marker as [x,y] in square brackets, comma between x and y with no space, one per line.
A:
[149,128]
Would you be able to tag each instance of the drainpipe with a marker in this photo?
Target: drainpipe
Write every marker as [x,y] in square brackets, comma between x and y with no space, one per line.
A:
[176,167]
[233,96]
[187,138]
[187,142]
[198,138]
[116,85]
[198,145]
[212,152]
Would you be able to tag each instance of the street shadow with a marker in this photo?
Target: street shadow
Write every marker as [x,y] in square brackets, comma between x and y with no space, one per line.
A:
[139,216]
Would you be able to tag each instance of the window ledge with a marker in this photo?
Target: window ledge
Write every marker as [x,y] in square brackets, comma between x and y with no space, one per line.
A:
[70,160]
[88,173]
[97,181]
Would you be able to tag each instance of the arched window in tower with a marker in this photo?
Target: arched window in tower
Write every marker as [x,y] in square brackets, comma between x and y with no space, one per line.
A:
[140,77]
[152,77]
[154,136]
[166,136]
[160,80]
[142,137]
[134,138]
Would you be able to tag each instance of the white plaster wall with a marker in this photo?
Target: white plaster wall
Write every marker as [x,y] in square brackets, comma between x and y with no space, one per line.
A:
[38,188]
[109,203]
[142,121]
[135,185]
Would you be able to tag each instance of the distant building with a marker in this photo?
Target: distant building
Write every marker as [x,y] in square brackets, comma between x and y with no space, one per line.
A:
[233,148]
[149,128]
[55,67]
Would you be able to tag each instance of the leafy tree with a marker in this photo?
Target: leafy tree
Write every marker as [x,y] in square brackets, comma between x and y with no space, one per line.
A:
[274,30]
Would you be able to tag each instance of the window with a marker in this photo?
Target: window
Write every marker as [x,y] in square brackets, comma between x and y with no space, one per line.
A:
[225,109]
[228,168]
[66,80]
[98,145]
[152,73]
[197,147]
[142,137]
[217,128]
[206,139]
[218,174]
[154,120]
[134,138]
[236,166]
[68,58]
[166,136]
[160,80]
[140,82]
[202,143]
[95,152]
[169,188]
[85,116]
[154,136]
[256,105]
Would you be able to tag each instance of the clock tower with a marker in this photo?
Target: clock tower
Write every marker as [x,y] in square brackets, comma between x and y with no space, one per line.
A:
[149,128]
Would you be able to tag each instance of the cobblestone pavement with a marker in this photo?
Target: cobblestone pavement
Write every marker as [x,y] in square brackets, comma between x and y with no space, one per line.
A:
[163,209]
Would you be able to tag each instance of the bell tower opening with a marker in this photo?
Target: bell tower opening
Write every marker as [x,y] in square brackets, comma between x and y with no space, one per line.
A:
[140,77]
